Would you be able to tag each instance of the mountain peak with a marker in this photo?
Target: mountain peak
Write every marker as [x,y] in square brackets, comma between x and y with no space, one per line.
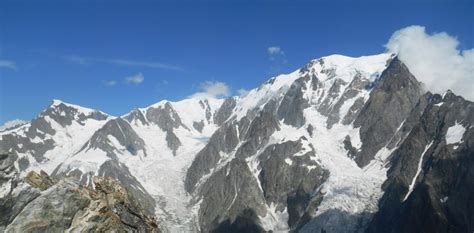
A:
[56,103]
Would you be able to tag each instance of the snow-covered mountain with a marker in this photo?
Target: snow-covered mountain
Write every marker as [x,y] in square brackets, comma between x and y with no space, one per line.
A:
[341,145]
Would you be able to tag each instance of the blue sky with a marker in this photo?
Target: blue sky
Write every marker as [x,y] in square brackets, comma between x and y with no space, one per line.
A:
[115,57]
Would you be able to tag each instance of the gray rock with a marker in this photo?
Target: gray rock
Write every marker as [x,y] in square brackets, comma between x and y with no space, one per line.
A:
[293,104]
[164,116]
[226,196]
[394,96]
[290,185]
[225,111]
[198,125]
[136,115]
[122,131]
[441,200]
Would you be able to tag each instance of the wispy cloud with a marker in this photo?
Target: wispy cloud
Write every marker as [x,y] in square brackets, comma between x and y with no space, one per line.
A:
[135,79]
[275,50]
[212,89]
[110,83]
[121,62]
[277,57]
[142,64]
[8,65]
[76,59]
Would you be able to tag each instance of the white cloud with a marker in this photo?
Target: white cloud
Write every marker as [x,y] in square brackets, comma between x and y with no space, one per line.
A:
[110,83]
[135,79]
[8,65]
[212,89]
[275,50]
[435,60]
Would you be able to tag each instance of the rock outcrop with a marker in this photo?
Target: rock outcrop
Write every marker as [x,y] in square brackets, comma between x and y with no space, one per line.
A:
[68,206]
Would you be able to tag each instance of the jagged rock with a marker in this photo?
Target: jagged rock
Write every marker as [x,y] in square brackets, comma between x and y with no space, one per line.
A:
[293,103]
[198,126]
[136,116]
[69,206]
[40,180]
[227,197]
[290,180]
[393,98]
[225,139]
[430,186]
[14,194]
[122,132]
[224,111]
[164,116]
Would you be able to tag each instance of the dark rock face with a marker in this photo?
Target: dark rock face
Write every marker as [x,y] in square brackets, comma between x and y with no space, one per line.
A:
[38,149]
[225,111]
[167,119]
[122,131]
[333,93]
[234,196]
[394,96]
[442,192]
[225,196]
[355,87]
[136,115]
[243,223]
[293,104]
[198,126]
[225,139]
[290,184]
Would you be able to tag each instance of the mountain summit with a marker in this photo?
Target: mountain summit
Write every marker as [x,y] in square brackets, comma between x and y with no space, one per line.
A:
[341,145]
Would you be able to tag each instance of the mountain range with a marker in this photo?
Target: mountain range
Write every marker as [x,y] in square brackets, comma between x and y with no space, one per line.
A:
[340,145]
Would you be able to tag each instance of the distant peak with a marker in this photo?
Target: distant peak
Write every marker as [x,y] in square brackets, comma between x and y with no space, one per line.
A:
[57,103]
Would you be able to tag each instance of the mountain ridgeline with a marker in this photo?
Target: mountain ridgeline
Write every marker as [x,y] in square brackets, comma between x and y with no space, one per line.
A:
[341,145]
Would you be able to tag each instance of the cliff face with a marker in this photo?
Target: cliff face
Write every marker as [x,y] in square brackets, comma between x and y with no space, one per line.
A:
[430,184]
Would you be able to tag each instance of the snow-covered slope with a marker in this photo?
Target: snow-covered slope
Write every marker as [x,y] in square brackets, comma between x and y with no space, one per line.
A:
[58,132]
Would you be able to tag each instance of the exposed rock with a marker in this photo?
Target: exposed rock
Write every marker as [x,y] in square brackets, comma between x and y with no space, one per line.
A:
[40,180]
[136,116]
[225,196]
[122,132]
[225,139]
[68,206]
[198,126]
[437,197]
[164,116]
[15,194]
[224,111]
[289,180]
[393,98]
[293,103]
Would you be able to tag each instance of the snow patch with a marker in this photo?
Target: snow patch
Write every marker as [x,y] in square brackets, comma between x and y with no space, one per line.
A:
[455,133]
[418,171]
